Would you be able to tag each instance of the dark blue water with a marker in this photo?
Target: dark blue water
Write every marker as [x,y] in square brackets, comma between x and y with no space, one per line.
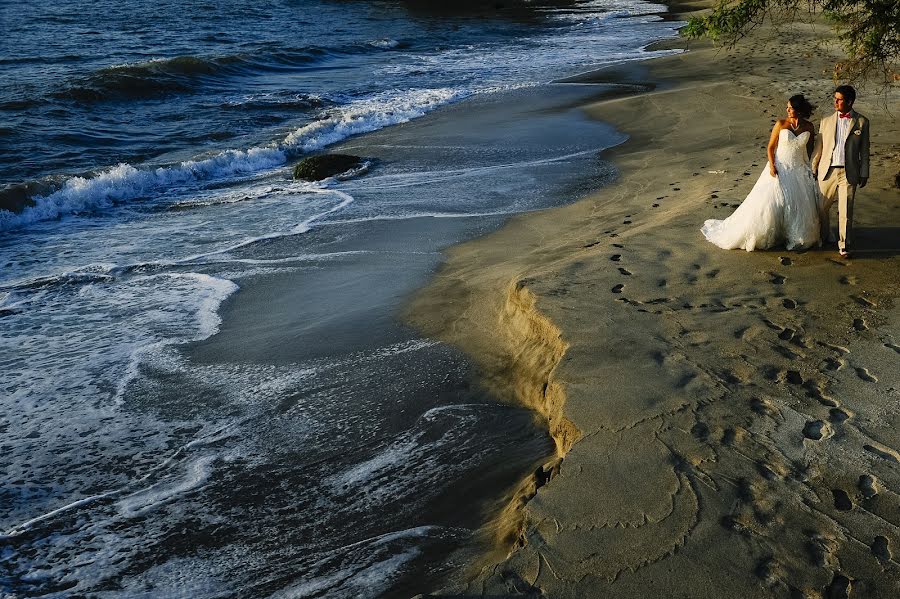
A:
[88,86]
[206,389]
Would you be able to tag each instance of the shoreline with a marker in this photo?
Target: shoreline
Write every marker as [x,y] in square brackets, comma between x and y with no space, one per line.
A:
[748,377]
[380,262]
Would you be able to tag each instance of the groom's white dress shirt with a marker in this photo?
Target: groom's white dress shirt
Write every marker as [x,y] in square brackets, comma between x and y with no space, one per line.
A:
[841,132]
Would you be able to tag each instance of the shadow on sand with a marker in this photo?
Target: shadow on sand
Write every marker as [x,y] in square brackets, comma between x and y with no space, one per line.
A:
[876,242]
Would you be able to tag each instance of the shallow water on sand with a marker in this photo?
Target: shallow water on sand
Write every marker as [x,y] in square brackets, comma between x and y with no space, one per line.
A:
[206,388]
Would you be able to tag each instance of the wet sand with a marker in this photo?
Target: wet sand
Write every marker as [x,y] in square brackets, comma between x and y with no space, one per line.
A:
[424,454]
[726,423]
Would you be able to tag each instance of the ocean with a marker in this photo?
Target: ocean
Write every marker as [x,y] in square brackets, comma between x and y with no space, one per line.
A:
[206,386]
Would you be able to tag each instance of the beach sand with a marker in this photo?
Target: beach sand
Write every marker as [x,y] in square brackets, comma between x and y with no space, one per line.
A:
[727,424]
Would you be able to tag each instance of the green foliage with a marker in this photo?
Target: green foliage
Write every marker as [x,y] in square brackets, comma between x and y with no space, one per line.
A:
[868,29]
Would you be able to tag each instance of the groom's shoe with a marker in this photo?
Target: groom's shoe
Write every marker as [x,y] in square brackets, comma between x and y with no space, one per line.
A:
[844,253]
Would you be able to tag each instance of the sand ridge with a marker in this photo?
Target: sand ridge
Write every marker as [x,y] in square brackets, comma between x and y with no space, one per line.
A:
[736,413]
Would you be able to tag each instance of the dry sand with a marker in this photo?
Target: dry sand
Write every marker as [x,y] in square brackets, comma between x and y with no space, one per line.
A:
[727,423]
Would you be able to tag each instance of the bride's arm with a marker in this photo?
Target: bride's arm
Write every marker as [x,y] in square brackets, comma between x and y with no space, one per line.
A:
[770,150]
[817,149]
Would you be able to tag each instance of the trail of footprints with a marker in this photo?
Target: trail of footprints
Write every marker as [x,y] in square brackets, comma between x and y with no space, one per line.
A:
[817,430]
[867,486]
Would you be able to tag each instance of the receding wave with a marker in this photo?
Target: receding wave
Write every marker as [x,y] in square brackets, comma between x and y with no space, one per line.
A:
[282,101]
[183,74]
[125,182]
[147,79]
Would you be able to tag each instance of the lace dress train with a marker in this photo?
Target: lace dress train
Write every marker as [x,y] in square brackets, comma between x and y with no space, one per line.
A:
[777,209]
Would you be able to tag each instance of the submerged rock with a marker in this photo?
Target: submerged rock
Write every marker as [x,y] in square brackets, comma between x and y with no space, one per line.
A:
[316,168]
[16,198]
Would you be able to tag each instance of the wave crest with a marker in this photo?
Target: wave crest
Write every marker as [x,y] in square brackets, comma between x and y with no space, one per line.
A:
[124,182]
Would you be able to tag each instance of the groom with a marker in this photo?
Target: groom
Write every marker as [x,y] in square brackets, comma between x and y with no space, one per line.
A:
[841,164]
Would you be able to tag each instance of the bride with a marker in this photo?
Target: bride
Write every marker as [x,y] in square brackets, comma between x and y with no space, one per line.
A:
[782,206]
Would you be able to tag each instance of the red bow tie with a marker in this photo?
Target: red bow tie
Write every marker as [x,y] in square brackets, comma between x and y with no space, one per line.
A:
[844,115]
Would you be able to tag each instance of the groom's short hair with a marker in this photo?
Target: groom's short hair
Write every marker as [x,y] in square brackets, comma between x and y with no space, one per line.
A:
[847,91]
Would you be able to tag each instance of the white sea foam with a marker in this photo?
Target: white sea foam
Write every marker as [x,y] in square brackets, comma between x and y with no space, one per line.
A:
[410,179]
[366,568]
[409,459]
[208,293]
[376,112]
[75,340]
[501,68]
[195,474]
[126,182]
[385,43]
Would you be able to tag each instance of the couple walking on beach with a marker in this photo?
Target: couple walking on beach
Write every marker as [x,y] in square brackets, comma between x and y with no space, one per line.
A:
[791,201]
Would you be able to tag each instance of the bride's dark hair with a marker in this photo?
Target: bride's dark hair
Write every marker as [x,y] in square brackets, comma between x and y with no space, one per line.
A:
[801,105]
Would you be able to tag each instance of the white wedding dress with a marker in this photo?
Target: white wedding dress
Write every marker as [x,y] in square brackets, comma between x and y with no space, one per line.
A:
[782,209]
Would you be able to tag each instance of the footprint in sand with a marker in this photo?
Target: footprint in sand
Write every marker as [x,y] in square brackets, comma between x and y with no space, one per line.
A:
[615,257]
[655,206]
[838,416]
[786,334]
[764,407]
[842,501]
[816,430]
[881,549]
[701,431]
[776,279]
[883,452]
[626,222]
[785,261]
[617,245]
[790,355]
[624,272]
[892,346]
[860,324]
[793,377]
[865,303]
[848,280]
[816,390]
[831,364]
[868,486]
[794,337]
[838,588]
[865,375]
[836,348]
[789,303]
[618,288]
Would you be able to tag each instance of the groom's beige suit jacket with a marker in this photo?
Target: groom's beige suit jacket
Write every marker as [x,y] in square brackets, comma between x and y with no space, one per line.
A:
[856,150]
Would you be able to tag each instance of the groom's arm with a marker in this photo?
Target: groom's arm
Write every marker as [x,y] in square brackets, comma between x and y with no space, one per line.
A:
[864,155]
[817,151]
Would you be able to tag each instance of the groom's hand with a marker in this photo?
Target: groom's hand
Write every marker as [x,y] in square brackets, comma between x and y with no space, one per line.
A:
[863,181]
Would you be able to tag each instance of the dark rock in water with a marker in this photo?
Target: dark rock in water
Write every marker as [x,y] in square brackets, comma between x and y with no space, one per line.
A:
[16,198]
[316,168]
